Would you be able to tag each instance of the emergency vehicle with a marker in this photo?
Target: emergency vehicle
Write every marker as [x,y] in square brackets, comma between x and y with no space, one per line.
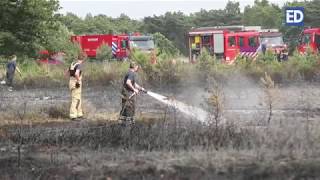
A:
[273,39]
[226,42]
[229,42]
[44,57]
[309,38]
[121,45]
[90,44]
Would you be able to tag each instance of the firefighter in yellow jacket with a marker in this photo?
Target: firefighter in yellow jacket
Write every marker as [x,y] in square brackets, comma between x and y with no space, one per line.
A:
[75,86]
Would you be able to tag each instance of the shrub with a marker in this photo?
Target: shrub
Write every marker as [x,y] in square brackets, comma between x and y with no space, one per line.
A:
[165,46]
[206,62]
[103,73]
[104,52]
[140,57]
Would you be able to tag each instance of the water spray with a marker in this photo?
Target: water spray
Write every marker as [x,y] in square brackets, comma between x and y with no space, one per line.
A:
[194,112]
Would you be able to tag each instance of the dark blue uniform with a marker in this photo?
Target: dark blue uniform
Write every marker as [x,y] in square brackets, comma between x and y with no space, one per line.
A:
[11,69]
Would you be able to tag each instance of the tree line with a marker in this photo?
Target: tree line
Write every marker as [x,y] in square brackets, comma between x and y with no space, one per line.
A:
[27,26]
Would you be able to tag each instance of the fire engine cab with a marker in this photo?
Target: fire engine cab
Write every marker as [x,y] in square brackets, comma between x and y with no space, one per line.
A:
[309,38]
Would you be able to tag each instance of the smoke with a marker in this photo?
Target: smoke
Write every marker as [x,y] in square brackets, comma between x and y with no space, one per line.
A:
[242,97]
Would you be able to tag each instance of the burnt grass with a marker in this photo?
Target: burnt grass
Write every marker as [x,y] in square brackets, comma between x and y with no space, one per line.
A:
[168,148]
[154,150]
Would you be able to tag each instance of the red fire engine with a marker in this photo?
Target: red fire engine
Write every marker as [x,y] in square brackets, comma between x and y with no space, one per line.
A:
[309,38]
[90,44]
[121,44]
[226,42]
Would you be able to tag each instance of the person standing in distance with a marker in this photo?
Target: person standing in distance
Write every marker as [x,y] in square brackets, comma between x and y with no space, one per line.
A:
[11,68]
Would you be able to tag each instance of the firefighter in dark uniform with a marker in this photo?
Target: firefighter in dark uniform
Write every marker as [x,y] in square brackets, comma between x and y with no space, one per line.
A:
[11,69]
[129,91]
[75,86]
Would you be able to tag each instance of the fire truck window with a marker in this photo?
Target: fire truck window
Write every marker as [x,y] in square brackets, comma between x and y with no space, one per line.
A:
[317,39]
[253,42]
[306,39]
[231,41]
[241,41]
[123,44]
[206,39]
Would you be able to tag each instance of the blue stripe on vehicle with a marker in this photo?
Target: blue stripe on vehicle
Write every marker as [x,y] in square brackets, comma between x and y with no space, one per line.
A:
[114,48]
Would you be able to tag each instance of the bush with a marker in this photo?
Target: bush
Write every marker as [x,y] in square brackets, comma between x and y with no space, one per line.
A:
[99,73]
[165,46]
[104,52]
[72,50]
[206,61]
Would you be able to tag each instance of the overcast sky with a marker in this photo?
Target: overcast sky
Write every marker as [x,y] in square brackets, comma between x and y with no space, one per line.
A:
[142,8]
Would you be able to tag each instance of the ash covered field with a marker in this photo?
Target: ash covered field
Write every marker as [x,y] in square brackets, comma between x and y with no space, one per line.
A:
[252,132]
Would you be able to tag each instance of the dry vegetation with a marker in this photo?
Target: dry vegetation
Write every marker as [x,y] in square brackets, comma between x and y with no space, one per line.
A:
[41,144]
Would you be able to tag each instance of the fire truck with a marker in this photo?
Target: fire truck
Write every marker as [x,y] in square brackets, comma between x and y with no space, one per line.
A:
[121,45]
[229,42]
[90,44]
[273,39]
[309,38]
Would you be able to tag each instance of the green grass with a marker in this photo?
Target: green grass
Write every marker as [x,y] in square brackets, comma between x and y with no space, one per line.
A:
[166,71]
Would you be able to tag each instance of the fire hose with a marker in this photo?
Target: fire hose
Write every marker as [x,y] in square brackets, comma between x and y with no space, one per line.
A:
[134,93]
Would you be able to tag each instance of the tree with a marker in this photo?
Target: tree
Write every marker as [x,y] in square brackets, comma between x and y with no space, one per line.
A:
[24,23]
[74,24]
[100,24]
[262,14]
[174,26]
[312,13]
[165,46]
[232,13]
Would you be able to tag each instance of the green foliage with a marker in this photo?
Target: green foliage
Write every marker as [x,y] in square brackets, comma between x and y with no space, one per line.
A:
[100,24]
[58,40]
[269,56]
[104,52]
[72,50]
[173,26]
[230,15]
[165,46]
[262,13]
[206,62]
[168,72]
[164,72]
[140,57]
[103,73]
[23,24]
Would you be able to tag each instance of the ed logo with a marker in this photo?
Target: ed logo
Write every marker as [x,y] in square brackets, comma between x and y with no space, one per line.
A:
[294,16]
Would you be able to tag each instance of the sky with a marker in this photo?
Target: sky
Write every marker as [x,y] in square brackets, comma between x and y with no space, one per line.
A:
[137,9]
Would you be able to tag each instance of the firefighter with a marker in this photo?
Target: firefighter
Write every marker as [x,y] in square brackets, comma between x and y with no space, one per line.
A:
[129,91]
[264,47]
[11,68]
[75,86]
